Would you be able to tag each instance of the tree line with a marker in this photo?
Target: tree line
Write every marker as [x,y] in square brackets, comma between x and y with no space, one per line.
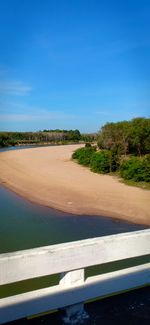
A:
[43,137]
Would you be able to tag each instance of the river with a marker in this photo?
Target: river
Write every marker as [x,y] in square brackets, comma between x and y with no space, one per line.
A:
[26,225]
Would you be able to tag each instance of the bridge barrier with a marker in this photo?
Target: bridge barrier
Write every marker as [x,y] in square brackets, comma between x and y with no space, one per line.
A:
[70,260]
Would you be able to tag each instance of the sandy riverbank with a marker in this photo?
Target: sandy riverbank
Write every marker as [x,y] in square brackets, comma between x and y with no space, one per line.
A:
[48,176]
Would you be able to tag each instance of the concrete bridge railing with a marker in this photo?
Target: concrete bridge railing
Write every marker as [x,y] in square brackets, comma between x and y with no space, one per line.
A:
[70,260]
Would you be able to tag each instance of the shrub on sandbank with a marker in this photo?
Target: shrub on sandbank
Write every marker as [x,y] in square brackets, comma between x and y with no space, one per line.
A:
[136,169]
[83,155]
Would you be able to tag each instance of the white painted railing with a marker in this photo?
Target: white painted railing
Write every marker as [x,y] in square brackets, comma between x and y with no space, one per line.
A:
[70,260]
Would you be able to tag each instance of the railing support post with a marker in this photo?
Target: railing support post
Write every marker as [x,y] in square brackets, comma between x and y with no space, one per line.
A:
[73,314]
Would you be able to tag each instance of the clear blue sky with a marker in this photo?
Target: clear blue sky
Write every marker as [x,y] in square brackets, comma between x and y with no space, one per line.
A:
[73,63]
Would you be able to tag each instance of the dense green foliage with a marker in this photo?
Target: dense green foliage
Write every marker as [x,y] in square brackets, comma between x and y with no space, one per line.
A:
[83,155]
[136,168]
[126,137]
[104,162]
[124,147]
[100,162]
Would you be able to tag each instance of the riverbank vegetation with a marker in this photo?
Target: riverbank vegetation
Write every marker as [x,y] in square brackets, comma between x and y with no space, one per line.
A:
[123,148]
[44,137]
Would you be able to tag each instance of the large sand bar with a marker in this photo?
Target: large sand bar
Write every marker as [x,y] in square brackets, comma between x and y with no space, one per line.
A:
[49,177]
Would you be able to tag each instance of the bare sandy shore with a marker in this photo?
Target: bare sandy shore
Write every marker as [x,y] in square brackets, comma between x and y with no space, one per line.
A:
[49,177]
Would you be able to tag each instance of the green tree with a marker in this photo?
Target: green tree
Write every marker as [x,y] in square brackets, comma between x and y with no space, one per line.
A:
[136,169]
[102,162]
[114,136]
[124,137]
[140,136]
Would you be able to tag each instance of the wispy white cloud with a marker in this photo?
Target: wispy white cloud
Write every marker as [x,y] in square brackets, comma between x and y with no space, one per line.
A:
[14,117]
[15,88]
[35,117]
